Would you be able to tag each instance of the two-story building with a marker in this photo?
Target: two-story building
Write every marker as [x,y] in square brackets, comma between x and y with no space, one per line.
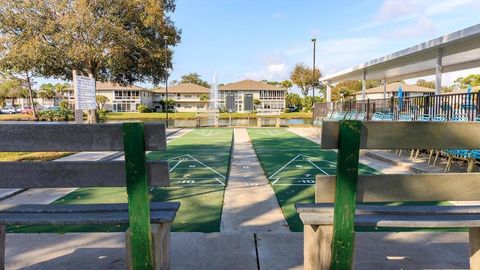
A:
[187,97]
[240,96]
[120,98]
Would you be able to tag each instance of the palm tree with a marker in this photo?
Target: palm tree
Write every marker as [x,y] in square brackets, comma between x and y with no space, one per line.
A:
[47,91]
[204,98]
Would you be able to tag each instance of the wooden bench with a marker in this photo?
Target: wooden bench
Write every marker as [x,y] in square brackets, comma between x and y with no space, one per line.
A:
[329,226]
[147,245]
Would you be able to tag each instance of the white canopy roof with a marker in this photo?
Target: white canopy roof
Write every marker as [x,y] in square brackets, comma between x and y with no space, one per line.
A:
[459,50]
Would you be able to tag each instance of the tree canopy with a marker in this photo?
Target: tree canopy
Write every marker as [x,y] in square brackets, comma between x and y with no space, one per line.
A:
[463,82]
[120,41]
[195,79]
[427,84]
[303,77]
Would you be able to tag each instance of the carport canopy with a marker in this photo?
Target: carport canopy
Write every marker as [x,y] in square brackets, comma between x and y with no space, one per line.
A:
[456,51]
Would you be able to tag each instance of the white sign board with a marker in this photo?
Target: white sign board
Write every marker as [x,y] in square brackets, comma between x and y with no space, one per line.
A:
[84,93]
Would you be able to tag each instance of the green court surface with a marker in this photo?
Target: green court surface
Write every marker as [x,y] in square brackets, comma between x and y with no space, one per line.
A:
[291,163]
[199,162]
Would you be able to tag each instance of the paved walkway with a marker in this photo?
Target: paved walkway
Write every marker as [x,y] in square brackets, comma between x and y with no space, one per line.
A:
[249,203]
[218,251]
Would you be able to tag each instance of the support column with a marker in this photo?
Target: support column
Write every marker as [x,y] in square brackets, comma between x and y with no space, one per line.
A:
[438,72]
[364,85]
[329,96]
[78,112]
[384,82]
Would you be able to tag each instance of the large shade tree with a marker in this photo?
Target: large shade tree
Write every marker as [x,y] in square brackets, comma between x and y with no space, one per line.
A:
[122,41]
[195,79]
[305,78]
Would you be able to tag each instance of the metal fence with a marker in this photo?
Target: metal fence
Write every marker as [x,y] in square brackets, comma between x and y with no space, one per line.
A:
[447,104]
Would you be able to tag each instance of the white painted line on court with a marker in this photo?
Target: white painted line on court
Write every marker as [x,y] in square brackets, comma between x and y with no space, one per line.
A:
[220,181]
[318,167]
[273,183]
[285,166]
[175,166]
[207,167]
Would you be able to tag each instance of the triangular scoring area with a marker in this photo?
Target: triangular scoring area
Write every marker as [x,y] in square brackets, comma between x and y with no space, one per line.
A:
[187,170]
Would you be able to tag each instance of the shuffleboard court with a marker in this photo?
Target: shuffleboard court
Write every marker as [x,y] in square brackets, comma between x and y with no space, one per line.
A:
[291,163]
[198,161]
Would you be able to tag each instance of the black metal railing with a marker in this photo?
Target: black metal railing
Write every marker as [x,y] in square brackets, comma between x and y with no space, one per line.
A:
[446,104]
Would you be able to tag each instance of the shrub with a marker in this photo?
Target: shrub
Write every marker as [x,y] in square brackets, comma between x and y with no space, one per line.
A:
[143,109]
[56,115]
[102,115]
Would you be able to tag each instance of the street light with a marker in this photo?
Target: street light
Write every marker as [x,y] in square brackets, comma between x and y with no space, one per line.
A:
[314,40]
[166,75]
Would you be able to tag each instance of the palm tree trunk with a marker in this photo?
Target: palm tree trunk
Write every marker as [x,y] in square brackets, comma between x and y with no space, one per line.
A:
[30,96]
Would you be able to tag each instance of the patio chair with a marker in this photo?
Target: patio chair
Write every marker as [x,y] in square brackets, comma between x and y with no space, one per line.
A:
[405,117]
[459,118]
[378,116]
[337,116]
[360,116]
[421,118]
[424,118]
[459,154]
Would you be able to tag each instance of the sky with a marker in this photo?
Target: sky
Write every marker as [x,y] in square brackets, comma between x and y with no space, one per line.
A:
[251,39]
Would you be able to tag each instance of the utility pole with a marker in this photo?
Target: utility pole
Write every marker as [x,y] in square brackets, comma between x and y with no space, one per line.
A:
[314,40]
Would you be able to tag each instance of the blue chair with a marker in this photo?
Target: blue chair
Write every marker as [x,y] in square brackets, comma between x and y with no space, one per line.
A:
[361,116]
[424,118]
[459,118]
[378,116]
[337,116]
[388,117]
[405,117]
[439,118]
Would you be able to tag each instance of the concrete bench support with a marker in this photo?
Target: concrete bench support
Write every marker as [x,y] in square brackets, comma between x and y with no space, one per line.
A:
[160,247]
[474,239]
[317,247]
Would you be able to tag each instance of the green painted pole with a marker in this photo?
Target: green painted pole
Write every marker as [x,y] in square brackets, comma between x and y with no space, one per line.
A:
[345,195]
[138,199]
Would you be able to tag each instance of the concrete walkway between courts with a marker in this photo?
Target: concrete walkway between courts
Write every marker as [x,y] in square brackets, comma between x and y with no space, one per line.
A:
[249,202]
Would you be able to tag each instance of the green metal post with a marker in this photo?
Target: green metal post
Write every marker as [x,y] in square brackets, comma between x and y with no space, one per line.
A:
[345,194]
[138,200]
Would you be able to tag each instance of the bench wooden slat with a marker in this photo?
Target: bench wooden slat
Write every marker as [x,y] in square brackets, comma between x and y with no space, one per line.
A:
[407,221]
[76,174]
[409,135]
[75,218]
[401,187]
[82,208]
[362,209]
[74,137]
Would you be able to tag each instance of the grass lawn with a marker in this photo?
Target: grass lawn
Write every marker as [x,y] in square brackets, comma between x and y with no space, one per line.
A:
[16,117]
[199,163]
[31,156]
[192,115]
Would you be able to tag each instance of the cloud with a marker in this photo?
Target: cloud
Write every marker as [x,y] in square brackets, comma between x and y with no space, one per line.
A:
[392,9]
[399,11]
[423,26]
[275,67]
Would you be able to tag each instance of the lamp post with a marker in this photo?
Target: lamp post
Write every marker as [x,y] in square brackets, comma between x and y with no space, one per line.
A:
[166,76]
[314,40]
